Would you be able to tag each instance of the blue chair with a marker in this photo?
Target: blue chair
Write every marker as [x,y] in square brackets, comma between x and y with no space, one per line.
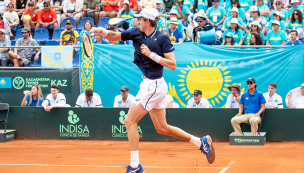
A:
[52,43]
[56,34]
[71,19]
[83,20]
[18,34]
[13,42]
[76,60]
[37,63]
[16,29]
[129,42]
[41,35]
[103,22]
[78,30]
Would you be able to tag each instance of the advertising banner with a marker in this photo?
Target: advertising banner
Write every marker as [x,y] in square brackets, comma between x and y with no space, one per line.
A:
[57,57]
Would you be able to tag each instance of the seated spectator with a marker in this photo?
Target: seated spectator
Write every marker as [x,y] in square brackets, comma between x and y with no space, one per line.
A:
[254,28]
[198,101]
[237,32]
[295,98]
[90,9]
[198,6]
[229,40]
[169,101]
[99,40]
[47,17]
[256,17]
[256,40]
[175,36]
[19,7]
[87,28]
[202,26]
[39,4]
[160,9]
[4,41]
[135,23]
[216,15]
[246,5]
[147,4]
[88,99]
[252,103]
[296,23]
[125,13]
[241,11]
[234,98]
[69,36]
[125,99]
[169,4]
[283,12]
[173,14]
[11,17]
[33,98]
[234,14]
[32,21]
[294,6]
[273,100]
[54,100]
[3,5]
[23,56]
[284,3]
[189,4]
[263,9]
[276,36]
[293,39]
[72,8]
[183,11]
[4,25]
[132,4]
[58,7]
[109,8]
[277,17]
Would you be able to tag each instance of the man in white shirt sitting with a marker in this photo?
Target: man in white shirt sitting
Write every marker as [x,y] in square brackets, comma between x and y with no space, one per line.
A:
[273,100]
[54,100]
[88,99]
[124,99]
[198,101]
[235,96]
[298,100]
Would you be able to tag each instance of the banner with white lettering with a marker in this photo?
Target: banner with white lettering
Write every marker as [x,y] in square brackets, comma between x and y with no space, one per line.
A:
[57,57]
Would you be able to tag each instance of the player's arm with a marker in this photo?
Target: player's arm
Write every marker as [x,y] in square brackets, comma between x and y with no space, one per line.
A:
[109,35]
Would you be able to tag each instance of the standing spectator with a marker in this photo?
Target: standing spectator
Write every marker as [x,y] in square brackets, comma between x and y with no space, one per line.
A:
[254,28]
[216,15]
[283,12]
[202,26]
[109,8]
[133,5]
[88,99]
[255,40]
[293,39]
[276,36]
[277,17]
[237,32]
[4,41]
[296,99]
[124,13]
[241,11]
[296,23]
[33,98]
[21,6]
[4,25]
[246,5]
[58,6]
[147,4]
[273,100]
[69,36]
[11,17]
[3,5]
[72,8]
[30,23]
[90,9]
[54,100]
[23,56]
[125,99]
[176,36]
[228,40]
[169,4]
[256,17]
[183,11]
[234,98]
[198,6]
[198,101]
[294,6]
[234,15]
[252,103]
[39,5]
[47,17]
[263,9]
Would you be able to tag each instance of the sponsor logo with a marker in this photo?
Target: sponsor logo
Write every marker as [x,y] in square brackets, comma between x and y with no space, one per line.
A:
[205,148]
[120,131]
[73,129]
[237,140]
[5,82]
[18,82]
[10,136]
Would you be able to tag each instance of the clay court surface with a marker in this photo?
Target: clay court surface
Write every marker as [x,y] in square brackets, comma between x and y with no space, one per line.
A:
[45,156]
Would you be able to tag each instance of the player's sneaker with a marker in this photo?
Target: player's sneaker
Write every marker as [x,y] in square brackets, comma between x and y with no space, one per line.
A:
[207,148]
[139,169]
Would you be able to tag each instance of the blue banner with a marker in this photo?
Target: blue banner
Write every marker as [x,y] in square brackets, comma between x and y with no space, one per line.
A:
[57,57]
[207,68]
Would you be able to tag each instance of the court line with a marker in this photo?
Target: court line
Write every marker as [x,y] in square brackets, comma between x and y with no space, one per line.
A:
[176,160]
[225,169]
[99,166]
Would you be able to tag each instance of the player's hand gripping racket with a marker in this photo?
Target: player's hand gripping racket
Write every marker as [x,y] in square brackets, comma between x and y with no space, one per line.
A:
[87,44]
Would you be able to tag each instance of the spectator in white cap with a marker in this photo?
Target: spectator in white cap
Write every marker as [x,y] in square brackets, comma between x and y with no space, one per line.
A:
[176,36]
[254,28]
[277,17]
[273,100]
[216,15]
[279,8]
[295,98]
[241,11]
[4,41]
[293,39]
[228,40]
[234,15]
[237,32]
[203,25]
[125,12]
[233,99]
[296,23]
[263,9]
[254,11]
[295,6]
[276,36]
[173,14]
[147,4]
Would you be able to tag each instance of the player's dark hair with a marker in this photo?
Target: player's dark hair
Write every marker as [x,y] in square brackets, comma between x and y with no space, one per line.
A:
[55,87]
[153,22]
[89,92]
[273,85]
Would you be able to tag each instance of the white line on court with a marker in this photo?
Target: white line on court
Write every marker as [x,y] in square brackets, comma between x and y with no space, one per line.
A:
[100,166]
[225,169]
[141,159]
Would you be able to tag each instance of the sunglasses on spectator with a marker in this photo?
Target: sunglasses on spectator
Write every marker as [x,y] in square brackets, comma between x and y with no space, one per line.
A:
[278,3]
[228,37]
[67,24]
[234,2]
[249,83]
[253,26]
[295,13]
[10,7]
[45,6]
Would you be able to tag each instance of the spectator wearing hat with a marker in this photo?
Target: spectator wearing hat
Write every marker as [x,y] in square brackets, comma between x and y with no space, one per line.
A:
[216,15]
[237,32]
[47,17]
[4,41]
[276,36]
[277,17]
[174,14]
[281,10]
[147,4]
[252,104]
[11,17]
[175,35]
[159,7]
[132,4]
[293,39]
[125,99]
[256,17]
[233,99]
[273,100]
[183,11]
[23,56]
[73,8]
[254,28]
[263,9]
[88,99]
[234,14]
[4,25]
[228,40]
[198,101]
[241,11]
[124,13]
[296,99]
[246,5]
[90,9]
[69,36]
[295,6]
[284,4]
[168,4]
[296,23]
[203,25]
[31,18]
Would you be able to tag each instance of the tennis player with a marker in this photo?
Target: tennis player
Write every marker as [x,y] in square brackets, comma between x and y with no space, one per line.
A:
[153,51]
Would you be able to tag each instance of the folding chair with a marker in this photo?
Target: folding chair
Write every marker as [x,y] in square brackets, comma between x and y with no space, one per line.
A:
[83,20]
[4,107]
[259,125]
[65,20]
[103,22]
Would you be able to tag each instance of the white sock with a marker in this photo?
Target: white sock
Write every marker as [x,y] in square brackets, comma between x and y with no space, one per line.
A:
[134,159]
[196,141]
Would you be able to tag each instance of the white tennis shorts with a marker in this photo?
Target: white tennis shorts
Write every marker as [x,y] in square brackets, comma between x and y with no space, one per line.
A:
[152,94]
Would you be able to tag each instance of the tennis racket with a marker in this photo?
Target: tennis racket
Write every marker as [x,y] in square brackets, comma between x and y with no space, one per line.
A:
[87,44]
